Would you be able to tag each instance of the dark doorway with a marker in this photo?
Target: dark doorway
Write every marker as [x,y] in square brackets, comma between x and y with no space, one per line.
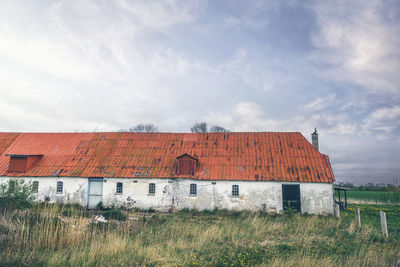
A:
[291,197]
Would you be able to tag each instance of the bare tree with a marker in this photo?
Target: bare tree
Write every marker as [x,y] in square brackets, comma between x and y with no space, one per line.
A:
[199,127]
[218,129]
[143,128]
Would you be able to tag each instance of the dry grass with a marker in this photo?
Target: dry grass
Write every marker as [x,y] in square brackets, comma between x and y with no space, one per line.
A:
[45,237]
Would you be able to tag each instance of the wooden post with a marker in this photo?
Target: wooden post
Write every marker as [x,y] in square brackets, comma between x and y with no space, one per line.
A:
[358,218]
[384,224]
[337,210]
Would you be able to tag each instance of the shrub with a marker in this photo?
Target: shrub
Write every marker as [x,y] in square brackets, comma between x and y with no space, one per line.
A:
[100,206]
[290,211]
[115,215]
[16,194]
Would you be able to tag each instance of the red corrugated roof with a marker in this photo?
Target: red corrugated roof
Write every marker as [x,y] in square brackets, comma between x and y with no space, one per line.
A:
[260,156]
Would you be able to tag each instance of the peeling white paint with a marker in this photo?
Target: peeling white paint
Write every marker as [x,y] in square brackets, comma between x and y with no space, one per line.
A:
[173,194]
[74,189]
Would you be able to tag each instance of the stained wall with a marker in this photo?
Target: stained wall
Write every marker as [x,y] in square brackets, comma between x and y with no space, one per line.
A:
[174,194]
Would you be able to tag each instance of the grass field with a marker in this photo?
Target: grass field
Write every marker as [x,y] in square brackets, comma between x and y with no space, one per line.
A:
[377,197]
[63,236]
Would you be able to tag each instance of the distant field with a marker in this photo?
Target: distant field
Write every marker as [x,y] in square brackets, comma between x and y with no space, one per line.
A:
[372,196]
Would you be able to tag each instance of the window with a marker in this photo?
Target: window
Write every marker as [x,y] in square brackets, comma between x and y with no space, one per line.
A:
[119,188]
[193,189]
[186,165]
[235,190]
[152,189]
[35,186]
[22,163]
[59,187]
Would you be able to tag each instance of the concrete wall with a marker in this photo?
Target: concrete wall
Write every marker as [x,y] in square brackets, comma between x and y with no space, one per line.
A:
[316,198]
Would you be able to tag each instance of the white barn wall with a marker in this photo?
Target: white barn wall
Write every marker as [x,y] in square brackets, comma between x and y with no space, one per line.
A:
[136,194]
[74,189]
[316,198]
[252,195]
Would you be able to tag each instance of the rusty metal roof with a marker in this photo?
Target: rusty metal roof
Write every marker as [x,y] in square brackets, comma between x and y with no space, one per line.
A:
[250,156]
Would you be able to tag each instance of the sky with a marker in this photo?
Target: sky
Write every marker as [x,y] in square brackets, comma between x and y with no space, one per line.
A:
[73,66]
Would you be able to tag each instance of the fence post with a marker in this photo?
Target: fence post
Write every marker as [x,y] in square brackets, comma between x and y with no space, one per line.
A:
[358,218]
[337,210]
[384,224]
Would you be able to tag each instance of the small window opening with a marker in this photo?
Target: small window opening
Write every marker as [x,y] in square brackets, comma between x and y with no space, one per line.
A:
[152,188]
[235,190]
[193,189]
[59,187]
[35,186]
[119,188]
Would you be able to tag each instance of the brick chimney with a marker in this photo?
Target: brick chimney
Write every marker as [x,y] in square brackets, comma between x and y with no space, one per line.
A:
[314,138]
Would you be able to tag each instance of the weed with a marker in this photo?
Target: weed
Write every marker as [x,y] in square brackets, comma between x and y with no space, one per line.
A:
[115,215]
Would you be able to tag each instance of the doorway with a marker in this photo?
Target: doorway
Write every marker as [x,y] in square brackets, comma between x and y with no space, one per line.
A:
[291,197]
[95,192]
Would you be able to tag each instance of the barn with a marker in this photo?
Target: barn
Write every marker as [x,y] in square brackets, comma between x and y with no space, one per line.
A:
[269,171]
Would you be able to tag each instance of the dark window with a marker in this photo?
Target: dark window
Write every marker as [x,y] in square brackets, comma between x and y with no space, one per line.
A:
[119,188]
[193,189]
[152,189]
[59,187]
[35,186]
[235,190]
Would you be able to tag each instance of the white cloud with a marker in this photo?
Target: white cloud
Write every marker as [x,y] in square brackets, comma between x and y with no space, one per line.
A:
[346,128]
[321,103]
[88,64]
[359,41]
[383,119]
[160,14]
[249,116]
[245,116]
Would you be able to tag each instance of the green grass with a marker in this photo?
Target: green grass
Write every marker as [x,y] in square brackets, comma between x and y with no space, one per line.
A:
[372,196]
[51,235]
[370,215]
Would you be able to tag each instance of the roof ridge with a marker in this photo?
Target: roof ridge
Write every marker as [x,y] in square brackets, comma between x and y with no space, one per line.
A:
[242,132]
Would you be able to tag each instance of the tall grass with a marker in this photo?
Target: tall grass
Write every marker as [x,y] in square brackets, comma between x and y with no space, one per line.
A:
[44,236]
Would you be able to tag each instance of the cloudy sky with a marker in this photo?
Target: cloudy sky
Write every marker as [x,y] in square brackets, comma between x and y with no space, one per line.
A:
[244,65]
